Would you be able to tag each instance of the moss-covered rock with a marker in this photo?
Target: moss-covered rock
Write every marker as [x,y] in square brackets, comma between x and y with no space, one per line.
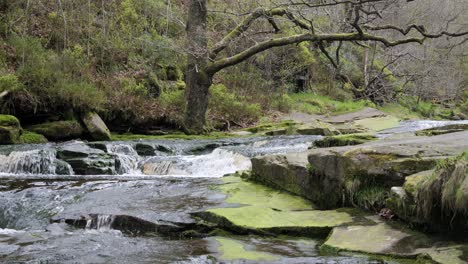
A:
[394,241]
[442,130]
[348,175]
[10,130]
[97,129]
[29,137]
[436,199]
[378,123]
[59,130]
[344,140]
[262,210]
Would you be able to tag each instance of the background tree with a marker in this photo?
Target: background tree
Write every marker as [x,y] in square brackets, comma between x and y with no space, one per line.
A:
[363,23]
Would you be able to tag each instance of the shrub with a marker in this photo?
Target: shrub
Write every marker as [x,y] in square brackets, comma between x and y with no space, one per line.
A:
[282,103]
[79,94]
[226,106]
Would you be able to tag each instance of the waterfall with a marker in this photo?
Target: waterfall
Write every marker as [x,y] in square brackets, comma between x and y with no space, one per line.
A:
[100,222]
[39,161]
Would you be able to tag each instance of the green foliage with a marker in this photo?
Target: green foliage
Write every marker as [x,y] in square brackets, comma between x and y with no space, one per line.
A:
[81,95]
[9,82]
[371,198]
[131,87]
[225,105]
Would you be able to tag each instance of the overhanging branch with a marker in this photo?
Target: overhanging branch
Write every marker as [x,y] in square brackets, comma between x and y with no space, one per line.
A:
[218,65]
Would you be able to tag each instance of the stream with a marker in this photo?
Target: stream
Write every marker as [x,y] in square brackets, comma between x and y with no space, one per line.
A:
[159,181]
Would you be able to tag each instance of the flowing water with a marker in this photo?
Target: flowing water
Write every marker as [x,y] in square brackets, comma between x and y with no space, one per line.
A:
[158,181]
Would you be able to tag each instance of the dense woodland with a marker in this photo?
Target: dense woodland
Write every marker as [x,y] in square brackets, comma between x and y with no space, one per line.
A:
[127,60]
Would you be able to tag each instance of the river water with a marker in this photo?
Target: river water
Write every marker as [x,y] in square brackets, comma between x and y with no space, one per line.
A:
[163,186]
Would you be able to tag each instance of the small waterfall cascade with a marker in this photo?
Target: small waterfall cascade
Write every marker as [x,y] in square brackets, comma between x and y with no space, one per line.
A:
[126,158]
[38,161]
[100,222]
[216,164]
[160,168]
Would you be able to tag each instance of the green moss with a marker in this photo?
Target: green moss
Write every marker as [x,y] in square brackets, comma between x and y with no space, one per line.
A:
[234,250]
[9,120]
[343,140]
[29,137]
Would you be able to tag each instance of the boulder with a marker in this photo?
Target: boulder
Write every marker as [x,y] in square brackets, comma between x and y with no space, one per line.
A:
[10,130]
[149,149]
[87,161]
[59,130]
[96,127]
[29,137]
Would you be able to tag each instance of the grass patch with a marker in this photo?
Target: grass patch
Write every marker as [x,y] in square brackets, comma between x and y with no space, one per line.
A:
[319,104]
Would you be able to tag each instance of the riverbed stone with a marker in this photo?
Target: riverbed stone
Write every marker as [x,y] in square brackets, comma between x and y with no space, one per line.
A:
[59,130]
[10,130]
[96,127]
[86,160]
[343,140]
[394,240]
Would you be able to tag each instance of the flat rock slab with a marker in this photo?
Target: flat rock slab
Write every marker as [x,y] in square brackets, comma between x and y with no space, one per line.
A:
[254,208]
[367,112]
[384,239]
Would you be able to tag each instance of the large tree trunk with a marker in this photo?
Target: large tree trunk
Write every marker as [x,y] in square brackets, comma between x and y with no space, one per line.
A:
[197,80]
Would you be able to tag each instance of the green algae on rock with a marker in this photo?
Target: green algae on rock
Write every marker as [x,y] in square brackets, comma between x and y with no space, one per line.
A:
[266,211]
[231,249]
[378,123]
